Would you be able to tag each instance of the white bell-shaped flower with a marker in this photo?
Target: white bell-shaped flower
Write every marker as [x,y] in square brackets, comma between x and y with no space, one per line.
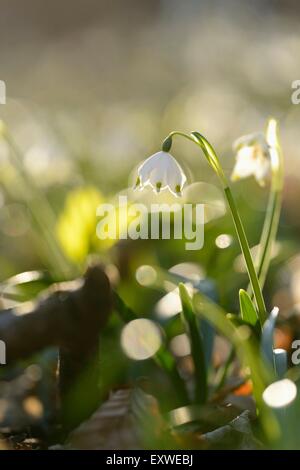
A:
[252,158]
[161,171]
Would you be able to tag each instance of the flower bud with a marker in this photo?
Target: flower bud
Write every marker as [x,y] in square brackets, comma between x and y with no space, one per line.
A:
[167,144]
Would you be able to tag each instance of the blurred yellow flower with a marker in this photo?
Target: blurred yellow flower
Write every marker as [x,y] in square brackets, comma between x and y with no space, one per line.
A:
[76,226]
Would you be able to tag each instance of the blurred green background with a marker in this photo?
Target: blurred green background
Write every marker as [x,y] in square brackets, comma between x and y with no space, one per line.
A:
[94,86]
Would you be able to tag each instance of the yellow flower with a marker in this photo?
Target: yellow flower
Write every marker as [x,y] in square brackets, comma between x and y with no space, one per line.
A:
[76,225]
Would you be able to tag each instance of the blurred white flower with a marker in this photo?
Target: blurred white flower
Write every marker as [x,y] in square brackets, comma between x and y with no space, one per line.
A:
[252,158]
[161,171]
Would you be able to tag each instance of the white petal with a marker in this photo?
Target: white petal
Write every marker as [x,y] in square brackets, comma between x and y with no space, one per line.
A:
[175,178]
[158,178]
[245,163]
[147,166]
[249,140]
[253,157]
[262,170]
[160,171]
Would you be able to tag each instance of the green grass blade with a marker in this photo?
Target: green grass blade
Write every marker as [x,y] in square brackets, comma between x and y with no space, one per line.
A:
[248,352]
[248,311]
[197,349]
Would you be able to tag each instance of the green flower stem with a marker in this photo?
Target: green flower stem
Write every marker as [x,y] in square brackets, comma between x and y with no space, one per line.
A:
[247,256]
[269,234]
[207,149]
[274,203]
[214,162]
[223,371]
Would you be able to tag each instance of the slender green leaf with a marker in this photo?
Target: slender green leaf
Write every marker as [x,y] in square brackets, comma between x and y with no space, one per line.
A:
[197,349]
[248,352]
[248,311]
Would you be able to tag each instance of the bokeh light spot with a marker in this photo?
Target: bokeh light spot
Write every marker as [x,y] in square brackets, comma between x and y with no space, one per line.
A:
[223,241]
[140,339]
[146,275]
[180,345]
[280,393]
[33,407]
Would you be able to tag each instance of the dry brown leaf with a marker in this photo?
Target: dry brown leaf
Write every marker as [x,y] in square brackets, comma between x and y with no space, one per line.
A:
[119,423]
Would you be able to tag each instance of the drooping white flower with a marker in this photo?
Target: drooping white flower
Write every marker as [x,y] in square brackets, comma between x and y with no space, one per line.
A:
[252,158]
[161,171]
